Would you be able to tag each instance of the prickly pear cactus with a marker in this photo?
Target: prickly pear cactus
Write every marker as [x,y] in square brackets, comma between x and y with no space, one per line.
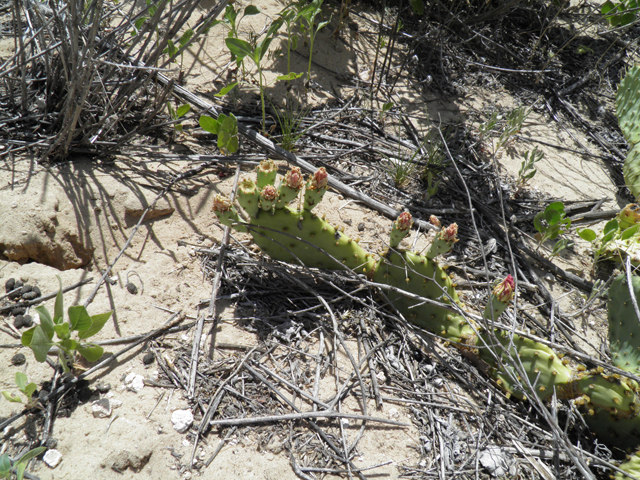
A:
[628,111]
[284,226]
[624,325]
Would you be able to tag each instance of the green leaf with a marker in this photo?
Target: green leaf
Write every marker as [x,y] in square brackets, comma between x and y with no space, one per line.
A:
[31,454]
[552,216]
[79,317]
[186,36]
[10,397]
[611,226]
[557,206]
[537,222]
[45,321]
[251,10]
[91,352]
[239,47]
[183,110]
[21,380]
[69,345]
[587,234]
[20,471]
[58,309]
[29,390]
[290,76]
[172,112]
[222,93]
[630,232]
[209,124]
[321,25]
[5,465]
[97,322]
[40,344]
[27,336]
[63,330]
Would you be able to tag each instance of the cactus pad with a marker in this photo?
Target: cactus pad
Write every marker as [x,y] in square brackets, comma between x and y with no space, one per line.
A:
[628,105]
[624,326]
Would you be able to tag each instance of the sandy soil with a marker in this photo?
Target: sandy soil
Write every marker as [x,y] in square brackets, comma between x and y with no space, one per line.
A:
[71,221]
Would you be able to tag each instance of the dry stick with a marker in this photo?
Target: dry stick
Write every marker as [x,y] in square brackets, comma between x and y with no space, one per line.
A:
[276,150]
[226,422]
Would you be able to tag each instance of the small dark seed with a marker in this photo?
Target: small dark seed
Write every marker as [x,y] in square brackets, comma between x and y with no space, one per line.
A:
[133,290]
[18,359]
[10,284]
[148,358]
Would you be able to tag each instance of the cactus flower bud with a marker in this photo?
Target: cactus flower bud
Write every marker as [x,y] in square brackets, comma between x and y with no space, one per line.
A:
[221,204]
[505,290]
[403,222]
[450,233]
[293,178]
[269,193]
[629,216]
[319,180]
[266,173]
[435,221]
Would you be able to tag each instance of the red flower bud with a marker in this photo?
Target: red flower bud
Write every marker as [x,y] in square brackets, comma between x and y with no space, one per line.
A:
[293,178]
[403,222]
[505,290]
[269,193]
[435,221]
[320,179]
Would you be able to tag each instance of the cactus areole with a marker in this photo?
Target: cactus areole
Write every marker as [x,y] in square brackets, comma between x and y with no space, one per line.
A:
[283,225]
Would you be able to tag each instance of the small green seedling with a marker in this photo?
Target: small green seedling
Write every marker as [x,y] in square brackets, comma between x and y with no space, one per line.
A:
[177,114]
[289,122]
[27,389]
[226,128]
[10,468]
[622,13]
[41,337]
[307,16]
[173,49]
[432,185]
[551,223]
[527,168]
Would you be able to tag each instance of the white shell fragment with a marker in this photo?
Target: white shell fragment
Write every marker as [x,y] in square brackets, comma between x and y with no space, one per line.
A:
[52,458]
[181,420]
[134,382]
[101,408]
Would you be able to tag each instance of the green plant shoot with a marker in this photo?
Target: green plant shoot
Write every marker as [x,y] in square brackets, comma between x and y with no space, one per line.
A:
[41,337]
[551,223]
[27,389]
[226,128]
[307,16]
[8,468]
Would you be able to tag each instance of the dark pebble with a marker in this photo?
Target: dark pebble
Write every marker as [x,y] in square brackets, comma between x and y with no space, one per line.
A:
[51,442]
[103,387]
[18,311]
[148,358]
[361,227]
[133,290]
[29,295]
[18,322]
[28,321]
[10,284]
[26,289]
[18,359]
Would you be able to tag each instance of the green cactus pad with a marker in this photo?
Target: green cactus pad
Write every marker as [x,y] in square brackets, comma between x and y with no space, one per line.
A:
[541,364]
[612,430]
[631,170]
[418,275]
[631,466]
[266,173]
[624,326]
[312,229]
[628,105]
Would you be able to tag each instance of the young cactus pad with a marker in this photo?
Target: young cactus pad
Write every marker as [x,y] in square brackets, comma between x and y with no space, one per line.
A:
[628,111]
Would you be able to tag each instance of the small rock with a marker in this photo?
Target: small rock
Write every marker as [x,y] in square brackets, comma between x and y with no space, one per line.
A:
[18,359]
[52,458]
[134,382]
[131,288]
[18,321]
[181,420]
[361,227]
[27,321]
[148,358]
[101,408]
[124,459]
[103,387]
[9,284]
[51,442]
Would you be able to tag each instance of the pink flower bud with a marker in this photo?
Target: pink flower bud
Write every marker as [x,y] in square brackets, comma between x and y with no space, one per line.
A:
[269,193]
[293,178]
[435,221]
[320,179]
[221,204]
[504,291]
[403,222]
[450,233]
